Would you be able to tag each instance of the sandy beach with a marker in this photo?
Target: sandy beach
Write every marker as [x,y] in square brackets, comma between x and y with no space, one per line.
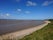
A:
[24,32]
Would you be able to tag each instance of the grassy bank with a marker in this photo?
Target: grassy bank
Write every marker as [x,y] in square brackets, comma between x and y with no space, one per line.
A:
[45,33]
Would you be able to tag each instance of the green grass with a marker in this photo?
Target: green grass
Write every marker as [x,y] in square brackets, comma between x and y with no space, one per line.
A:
[45,33]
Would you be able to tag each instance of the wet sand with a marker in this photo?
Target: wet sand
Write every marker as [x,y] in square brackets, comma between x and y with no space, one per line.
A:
[22,33]
[8,26]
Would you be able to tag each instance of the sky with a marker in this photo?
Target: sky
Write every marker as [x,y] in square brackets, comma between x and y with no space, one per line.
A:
[26,9]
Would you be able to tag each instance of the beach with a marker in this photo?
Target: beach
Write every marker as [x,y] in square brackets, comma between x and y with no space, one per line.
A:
[22,33]
[8,26]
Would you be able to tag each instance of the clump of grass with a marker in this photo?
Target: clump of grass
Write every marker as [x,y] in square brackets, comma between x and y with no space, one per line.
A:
[45,33]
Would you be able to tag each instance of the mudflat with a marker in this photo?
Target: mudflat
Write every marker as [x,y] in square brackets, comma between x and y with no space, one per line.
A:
[8,26]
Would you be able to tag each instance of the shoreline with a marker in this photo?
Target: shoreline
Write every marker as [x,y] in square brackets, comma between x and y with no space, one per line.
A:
[24,32]
[14,26]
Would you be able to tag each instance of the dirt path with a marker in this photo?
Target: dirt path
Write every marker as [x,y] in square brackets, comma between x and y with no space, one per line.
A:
[24,32]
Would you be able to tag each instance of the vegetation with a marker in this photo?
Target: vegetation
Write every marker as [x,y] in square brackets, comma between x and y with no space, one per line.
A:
[45,33]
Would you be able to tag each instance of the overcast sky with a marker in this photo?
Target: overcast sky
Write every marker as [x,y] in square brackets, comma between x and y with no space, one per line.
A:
[26,9]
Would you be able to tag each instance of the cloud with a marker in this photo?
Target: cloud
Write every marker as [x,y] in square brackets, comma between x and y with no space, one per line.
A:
[7,14]
[30,3]
[27,12]
[51,2]
[1,14]
[46,3]
[4,15]
[19,10]
[17,0]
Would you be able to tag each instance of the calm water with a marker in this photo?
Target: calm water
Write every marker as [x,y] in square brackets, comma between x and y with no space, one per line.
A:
[7,26]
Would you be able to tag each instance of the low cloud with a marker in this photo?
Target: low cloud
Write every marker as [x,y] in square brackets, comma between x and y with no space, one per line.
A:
[7,14]
[27,12]
[1,14]
[30,3]
[4,15]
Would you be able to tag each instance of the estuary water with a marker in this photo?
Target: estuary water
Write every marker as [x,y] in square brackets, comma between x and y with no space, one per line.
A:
[7,26]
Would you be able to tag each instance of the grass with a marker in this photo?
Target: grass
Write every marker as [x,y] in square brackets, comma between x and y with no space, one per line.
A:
[45,33]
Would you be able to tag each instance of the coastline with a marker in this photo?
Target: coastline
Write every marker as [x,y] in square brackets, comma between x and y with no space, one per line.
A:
[24,32]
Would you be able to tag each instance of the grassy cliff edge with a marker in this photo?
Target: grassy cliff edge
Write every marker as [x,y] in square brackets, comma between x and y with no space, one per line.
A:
[45,33]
